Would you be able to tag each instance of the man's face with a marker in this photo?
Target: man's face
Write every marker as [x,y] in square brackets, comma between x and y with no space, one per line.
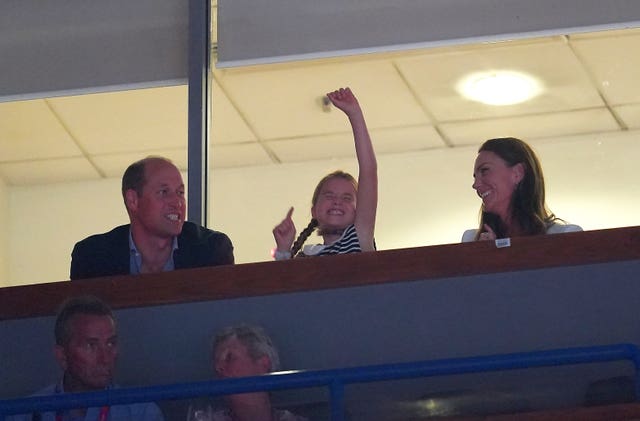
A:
[160,210]
[231,359]
[89,357]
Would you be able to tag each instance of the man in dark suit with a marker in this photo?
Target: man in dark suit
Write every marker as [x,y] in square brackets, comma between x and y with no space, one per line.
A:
[158,238]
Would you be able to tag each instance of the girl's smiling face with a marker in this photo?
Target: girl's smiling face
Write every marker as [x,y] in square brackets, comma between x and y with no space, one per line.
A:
[335,207]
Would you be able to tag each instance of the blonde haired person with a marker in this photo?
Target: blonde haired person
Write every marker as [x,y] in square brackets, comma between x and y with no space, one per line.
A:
[343,210]
[247,350]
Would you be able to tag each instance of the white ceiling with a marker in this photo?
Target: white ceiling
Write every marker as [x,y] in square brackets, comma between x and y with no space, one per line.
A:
[268,115]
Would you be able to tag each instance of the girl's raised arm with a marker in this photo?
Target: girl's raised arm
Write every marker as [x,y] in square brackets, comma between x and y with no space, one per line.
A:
[367,197]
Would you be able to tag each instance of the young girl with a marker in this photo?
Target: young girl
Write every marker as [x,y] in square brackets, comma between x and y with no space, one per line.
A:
[342,209]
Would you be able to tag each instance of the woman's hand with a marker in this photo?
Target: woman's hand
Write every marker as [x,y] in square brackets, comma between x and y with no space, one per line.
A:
[487,234]
[285,232]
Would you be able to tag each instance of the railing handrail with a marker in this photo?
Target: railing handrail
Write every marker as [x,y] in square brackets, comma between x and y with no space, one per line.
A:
[333,378]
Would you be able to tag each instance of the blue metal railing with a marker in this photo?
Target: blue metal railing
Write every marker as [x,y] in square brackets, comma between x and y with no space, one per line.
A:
[334,379]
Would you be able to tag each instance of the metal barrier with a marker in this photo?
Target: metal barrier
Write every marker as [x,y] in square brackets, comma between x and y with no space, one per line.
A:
[334,379]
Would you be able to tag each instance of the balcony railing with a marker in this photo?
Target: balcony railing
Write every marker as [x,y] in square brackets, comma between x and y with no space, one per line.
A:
[335,379]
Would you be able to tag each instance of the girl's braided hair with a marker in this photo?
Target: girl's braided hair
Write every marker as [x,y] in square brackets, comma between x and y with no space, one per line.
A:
[297,245]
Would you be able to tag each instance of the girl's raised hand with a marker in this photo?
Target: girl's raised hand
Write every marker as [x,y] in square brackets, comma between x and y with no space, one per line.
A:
[284,233]
[345,100]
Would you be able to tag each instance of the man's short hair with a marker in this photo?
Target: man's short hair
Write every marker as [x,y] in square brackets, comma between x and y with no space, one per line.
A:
[86,304]
[134,176]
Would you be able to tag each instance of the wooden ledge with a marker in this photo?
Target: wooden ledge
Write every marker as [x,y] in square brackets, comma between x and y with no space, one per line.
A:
[253,279]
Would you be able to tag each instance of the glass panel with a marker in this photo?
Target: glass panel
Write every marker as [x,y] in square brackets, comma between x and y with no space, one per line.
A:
[61,167]
[274,138]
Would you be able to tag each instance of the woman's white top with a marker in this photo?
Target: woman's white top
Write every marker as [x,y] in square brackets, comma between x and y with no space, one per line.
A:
[553,228]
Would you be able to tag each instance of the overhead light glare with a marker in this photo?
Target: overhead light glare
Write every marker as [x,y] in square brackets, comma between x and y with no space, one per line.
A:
[503,87]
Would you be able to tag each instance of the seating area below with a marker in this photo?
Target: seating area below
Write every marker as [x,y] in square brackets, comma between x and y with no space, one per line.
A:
[450,303]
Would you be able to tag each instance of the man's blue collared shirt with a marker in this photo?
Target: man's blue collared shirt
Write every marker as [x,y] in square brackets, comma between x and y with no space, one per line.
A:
[135,258]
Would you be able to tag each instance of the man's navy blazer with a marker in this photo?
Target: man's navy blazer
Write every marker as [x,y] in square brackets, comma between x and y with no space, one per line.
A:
[108,254]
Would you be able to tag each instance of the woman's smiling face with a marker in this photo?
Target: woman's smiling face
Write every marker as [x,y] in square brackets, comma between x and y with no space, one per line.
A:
[495,182]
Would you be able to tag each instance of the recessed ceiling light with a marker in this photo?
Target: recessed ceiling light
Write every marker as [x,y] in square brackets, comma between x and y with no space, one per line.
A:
[501,87]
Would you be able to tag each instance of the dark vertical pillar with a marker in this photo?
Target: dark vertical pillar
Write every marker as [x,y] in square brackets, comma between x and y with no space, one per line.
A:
[199,108]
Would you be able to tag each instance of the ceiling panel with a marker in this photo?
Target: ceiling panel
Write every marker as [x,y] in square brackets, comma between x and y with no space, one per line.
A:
[531,127]
[264,115]
[113,165]
[391,140]
[405,139]
[30,131]
[566,84]
[137,120]
[313,148]
[630,115]
[615,62]
[285,102]
[47,171]
[227,125]
[239,155]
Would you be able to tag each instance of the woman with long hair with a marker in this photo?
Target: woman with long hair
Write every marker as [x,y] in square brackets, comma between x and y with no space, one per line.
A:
[508,178]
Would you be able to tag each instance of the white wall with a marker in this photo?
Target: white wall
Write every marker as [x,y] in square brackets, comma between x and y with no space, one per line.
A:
[47,220]
[591,181]
[4,234]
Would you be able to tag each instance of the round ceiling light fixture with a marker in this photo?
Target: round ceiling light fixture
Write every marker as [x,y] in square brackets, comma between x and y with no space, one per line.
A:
[502,87]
